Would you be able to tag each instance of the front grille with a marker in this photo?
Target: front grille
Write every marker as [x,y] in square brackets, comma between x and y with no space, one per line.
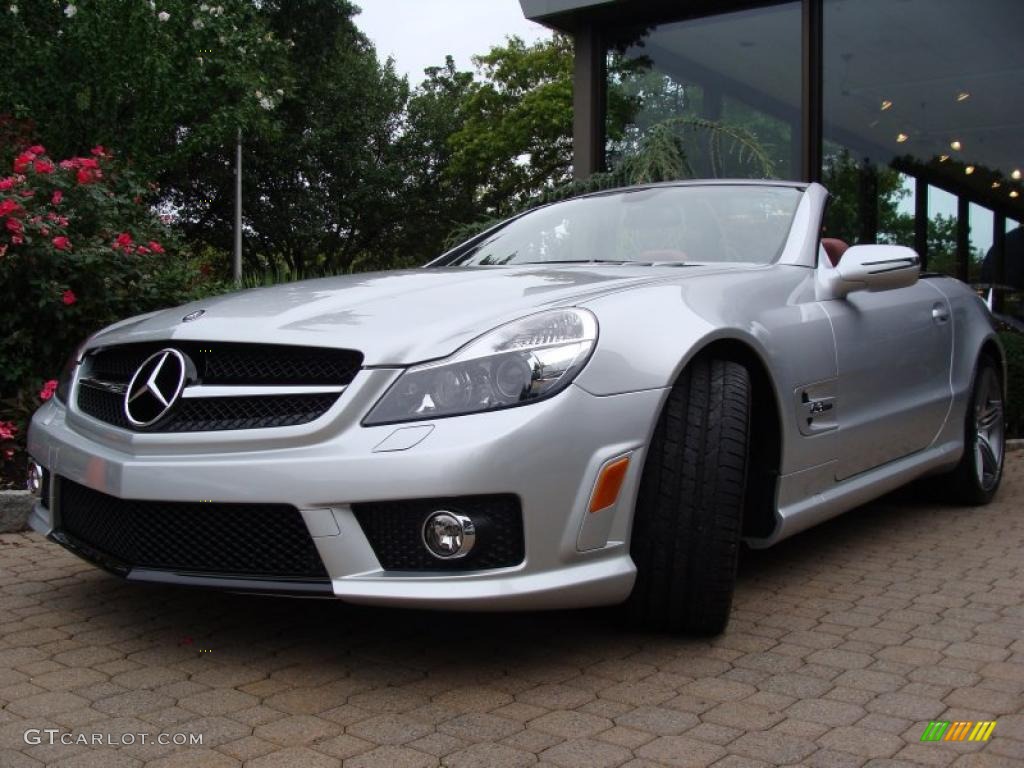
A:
[103,405]
[214,413]
[223,364]
[394,530]
[247,540]
[231,363]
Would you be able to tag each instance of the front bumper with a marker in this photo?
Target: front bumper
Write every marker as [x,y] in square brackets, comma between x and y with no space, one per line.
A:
[547,454]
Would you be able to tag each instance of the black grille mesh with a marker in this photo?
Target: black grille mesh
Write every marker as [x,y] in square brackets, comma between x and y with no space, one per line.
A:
[102,405]
[394,530]
[214,413]
[236,364]
[226,364]
[265,540]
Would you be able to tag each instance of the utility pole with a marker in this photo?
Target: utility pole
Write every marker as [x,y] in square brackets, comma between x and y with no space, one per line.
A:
[237,270]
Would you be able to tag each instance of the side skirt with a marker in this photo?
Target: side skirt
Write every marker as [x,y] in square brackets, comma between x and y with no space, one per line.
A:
[798,510]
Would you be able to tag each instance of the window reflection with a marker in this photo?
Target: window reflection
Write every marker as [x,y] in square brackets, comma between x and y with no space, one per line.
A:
[917,96]
[726,89]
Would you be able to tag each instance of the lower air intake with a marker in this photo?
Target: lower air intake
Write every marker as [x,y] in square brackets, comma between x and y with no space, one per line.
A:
[394,530]
[246,540]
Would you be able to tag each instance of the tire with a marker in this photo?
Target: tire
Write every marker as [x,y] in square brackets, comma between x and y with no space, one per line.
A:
[689,513]
[976,478]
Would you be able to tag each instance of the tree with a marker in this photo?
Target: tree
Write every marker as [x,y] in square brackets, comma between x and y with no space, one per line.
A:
[323,189]
[514,140]
[437,199]
[516,136]
[159,82]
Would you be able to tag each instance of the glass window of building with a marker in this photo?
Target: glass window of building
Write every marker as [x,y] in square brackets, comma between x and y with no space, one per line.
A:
[718,96]
[923,95]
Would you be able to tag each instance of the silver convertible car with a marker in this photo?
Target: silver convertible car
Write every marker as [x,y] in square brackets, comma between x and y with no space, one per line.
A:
[593,403]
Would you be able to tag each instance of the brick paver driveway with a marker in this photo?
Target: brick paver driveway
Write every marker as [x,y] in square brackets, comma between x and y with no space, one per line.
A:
[844,643]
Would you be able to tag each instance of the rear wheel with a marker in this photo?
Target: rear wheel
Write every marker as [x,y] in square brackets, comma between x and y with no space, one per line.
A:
[689,513]
[976,478]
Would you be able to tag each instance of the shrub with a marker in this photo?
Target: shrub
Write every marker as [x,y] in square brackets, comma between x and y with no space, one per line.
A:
[80,247]
[1013,342]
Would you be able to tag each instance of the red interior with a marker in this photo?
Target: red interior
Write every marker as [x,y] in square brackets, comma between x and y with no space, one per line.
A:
[834,248]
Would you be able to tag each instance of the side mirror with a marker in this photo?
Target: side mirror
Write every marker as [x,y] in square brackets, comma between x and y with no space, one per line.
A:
[868,268]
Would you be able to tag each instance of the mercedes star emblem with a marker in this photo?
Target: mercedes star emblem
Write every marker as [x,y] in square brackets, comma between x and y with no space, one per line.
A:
[155,387]
[193,316]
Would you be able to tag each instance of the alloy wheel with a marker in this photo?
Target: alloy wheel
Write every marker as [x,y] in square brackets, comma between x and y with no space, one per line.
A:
[988,429]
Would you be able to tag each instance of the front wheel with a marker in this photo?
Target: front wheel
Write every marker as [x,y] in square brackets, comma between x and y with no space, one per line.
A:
[976,478]
[689,512]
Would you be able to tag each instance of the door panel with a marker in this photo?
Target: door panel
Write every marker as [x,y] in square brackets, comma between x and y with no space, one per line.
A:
[893,351]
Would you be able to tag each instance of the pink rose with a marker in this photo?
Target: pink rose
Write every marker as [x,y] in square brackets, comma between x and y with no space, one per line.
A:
[48,389]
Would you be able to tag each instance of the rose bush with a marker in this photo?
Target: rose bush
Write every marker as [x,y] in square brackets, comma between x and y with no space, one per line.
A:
[80,247]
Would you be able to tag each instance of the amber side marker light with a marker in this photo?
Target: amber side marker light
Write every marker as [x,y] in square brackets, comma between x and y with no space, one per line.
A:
[608,485]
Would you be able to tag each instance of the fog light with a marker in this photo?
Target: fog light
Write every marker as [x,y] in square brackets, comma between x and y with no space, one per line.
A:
[34,482]
[448,535]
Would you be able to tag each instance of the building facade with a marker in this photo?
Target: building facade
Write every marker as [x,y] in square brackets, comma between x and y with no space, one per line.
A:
[911,112]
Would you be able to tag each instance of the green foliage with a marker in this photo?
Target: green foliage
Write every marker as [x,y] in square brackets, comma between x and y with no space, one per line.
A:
[662,154]
[515,135]
[161,82]
[1013,343]
[511,135]
[327,187]
[80,247]
[436,198]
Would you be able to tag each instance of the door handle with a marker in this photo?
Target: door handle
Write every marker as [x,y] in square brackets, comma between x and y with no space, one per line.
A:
[940,314]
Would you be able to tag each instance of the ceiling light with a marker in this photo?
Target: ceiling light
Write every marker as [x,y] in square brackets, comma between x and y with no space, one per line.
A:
[969,170]
[886,103]
[1015,174]
[901,137]
[955,145]
[1014,193]
[996,185]
[943,158]
[963,96]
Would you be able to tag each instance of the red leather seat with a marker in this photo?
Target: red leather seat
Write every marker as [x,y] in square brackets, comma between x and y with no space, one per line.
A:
[834,249]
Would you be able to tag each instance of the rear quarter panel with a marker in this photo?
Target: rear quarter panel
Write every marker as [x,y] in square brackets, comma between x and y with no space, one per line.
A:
[973,326]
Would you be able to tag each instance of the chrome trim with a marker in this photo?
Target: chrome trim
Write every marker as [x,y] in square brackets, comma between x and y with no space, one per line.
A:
[467,533]
[151,389]
[255,391]
[106,386]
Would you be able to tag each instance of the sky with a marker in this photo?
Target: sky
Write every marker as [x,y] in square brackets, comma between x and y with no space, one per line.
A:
[420,33]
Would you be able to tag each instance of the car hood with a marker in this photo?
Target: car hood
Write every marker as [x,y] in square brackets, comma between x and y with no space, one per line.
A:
[393,318]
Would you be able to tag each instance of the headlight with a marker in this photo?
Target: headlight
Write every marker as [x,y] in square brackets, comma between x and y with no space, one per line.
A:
[518,363]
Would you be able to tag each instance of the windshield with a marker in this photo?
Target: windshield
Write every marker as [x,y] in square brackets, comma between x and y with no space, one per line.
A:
[679,225]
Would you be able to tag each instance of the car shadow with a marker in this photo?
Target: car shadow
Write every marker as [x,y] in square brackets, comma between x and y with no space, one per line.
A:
[239,628]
